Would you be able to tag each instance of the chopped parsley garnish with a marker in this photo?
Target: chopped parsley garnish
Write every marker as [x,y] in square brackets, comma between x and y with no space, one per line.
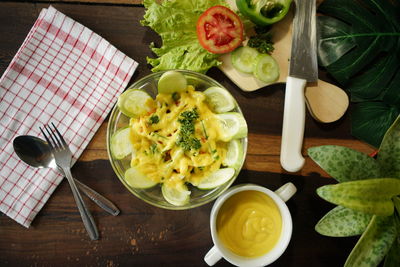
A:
[188,143]
[262,41]
[155,133]
[154,119]
[215,154]
[204,130]
[186,139]
[153,148]
[176,96]
[189,116]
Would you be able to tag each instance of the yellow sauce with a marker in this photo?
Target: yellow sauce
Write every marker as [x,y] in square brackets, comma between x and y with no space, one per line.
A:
[156,153]
[249,223]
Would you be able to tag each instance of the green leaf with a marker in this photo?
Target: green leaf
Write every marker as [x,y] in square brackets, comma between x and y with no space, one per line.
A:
[345,164]
[175,22]
[373,196]
[373,83]
[375,242]
[392,258]
[188,57]
[359,44]
[392,96]
[370,121]
[389,151]
[374,30]
[396,201]
[342,221]
[329,29]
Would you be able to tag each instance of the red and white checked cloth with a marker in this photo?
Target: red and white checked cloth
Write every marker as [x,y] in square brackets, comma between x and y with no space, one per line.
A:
[63,73]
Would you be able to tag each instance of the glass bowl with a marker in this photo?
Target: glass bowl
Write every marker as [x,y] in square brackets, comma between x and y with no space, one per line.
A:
[153,195]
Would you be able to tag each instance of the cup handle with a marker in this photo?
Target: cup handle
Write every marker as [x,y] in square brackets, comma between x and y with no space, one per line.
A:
[212,256]
[286,191]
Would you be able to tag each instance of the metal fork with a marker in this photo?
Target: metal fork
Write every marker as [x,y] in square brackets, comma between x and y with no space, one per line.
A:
[63,157]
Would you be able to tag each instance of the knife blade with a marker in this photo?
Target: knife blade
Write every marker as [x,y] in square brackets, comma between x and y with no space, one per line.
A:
[303,68]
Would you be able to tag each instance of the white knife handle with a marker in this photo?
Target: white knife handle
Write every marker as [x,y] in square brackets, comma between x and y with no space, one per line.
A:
[293,125]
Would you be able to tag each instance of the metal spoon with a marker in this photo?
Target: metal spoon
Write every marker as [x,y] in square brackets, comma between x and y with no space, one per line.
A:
[36,153]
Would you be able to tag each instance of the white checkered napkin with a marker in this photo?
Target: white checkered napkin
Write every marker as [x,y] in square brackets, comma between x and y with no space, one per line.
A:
[63,73]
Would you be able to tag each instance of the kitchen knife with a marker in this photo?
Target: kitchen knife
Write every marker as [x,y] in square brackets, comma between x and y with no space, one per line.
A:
[303,68]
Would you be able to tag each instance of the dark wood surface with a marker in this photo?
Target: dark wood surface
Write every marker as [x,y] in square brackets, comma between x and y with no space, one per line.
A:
[143,235]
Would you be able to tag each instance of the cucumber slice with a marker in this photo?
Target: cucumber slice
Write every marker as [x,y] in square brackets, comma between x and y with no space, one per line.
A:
[244,59]
[217,178]
[136,179]
[177,196]
[266,69]
[172,81]
[219,99]
[120,143]
[234,154]
[134,102]
[233,126]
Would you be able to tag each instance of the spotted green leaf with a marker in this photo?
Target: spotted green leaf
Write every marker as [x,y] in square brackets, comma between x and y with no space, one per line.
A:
[375,242]
[389,152]
[345,164]
[392,258]
[372,196]
[341,221]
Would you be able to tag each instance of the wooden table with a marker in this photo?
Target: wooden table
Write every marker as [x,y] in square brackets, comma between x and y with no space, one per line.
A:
[143,235]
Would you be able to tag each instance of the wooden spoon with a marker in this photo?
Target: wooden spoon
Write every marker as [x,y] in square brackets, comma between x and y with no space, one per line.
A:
[326,102]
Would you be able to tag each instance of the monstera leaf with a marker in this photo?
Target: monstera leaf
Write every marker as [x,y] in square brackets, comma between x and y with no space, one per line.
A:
[359,45]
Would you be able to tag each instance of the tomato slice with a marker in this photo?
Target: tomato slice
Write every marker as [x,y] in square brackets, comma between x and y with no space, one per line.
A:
[219,30]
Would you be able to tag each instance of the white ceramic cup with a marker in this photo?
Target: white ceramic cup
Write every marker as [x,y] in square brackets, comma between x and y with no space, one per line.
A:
[218,251]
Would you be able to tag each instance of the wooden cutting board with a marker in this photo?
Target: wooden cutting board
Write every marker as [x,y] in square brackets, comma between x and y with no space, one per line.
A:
[325,102]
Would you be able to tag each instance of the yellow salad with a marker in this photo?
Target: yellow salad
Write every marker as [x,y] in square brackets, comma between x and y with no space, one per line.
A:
[179,139]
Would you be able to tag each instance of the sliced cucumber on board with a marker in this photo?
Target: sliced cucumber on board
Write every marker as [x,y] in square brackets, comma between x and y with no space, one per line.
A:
[244,59]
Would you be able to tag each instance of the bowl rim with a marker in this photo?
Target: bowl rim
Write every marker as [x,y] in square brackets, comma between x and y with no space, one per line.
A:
[115,112]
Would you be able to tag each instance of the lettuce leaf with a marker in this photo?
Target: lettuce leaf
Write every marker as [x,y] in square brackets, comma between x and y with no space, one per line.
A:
[175,22]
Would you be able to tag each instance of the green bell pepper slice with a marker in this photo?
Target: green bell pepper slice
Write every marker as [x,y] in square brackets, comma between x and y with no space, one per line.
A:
[264,12]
